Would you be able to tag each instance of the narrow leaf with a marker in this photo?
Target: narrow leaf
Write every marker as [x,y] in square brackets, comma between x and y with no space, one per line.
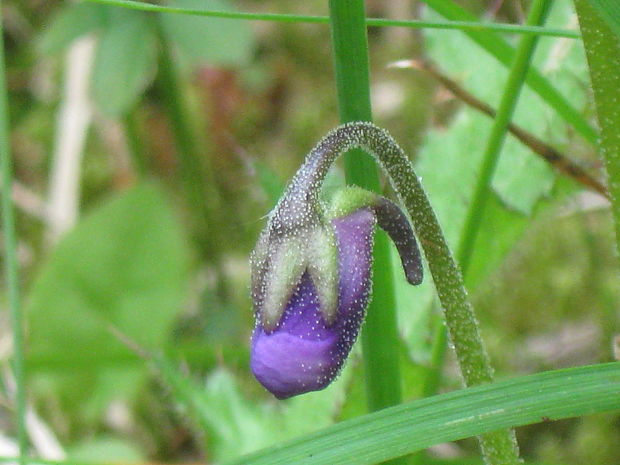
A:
[603,52]
[610,12]
[406,428]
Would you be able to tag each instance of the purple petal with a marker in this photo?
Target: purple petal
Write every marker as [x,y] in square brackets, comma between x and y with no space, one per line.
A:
[304,353]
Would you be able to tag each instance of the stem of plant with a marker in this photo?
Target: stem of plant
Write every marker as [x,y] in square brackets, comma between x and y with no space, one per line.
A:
[380,338]
[498,447]
[475,214]
[10,261]
[603,54]
[202,195]
[136,149]
[507,105]
[312,19]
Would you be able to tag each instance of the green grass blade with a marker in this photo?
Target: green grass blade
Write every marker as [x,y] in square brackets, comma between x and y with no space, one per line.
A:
[10,261]
[417,425]
[379,22]
[610,12]
[507,106]
[380,334]
[504,53]
[603,53]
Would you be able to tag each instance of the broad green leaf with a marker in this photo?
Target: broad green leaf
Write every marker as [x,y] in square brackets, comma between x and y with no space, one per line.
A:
[72,21]
[406,428]
[124,63]
[205,40]
[521,177]
[122,267]
[610,12]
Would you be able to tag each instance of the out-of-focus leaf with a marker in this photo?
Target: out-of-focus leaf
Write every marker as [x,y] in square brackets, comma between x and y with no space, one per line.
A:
[205,40]
[521,177]
[72,21]
[123,266]
[236,424]
[105,449]
[610,12]
[269,181]
[125,62]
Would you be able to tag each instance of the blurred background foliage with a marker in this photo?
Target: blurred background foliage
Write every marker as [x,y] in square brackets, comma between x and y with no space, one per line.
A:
[149,148]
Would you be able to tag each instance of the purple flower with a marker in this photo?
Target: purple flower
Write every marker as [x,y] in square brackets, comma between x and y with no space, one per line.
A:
[305,353]
[311,276]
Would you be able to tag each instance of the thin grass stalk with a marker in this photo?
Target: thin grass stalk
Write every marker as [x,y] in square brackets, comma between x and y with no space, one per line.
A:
[603,54]
[10,261]
[380,339]
[508,103]
[313,19]
[198,182]
[503,441]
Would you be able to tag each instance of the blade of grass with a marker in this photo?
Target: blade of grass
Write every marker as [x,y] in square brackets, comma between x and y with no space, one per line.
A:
[406,428]
[610,12]
[603,54]
[10,261]
[201,194]
[371,438]
[504,53]
[481,33]
[507,105]
[379,22]
[380,333]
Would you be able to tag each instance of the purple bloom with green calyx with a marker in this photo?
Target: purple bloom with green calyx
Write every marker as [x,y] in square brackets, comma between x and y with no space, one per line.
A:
[311,279]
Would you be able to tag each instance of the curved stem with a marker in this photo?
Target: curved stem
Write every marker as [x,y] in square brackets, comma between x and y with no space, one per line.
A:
[499,447]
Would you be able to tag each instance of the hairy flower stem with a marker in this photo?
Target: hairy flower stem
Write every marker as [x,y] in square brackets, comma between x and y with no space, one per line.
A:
[499,447]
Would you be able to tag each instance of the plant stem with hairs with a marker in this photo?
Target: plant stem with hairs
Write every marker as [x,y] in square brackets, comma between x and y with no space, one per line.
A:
[498,447]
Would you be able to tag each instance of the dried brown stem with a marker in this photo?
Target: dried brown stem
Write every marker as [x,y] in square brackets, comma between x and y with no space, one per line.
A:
[552,156]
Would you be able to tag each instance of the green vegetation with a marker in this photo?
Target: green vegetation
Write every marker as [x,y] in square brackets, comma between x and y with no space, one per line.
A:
[142,146]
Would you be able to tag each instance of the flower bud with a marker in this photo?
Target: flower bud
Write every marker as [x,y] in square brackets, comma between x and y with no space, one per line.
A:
[311,275]
[305,351]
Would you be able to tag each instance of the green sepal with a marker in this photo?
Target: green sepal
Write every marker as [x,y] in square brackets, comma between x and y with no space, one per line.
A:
[288,263]
[322,255]
[351,198]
